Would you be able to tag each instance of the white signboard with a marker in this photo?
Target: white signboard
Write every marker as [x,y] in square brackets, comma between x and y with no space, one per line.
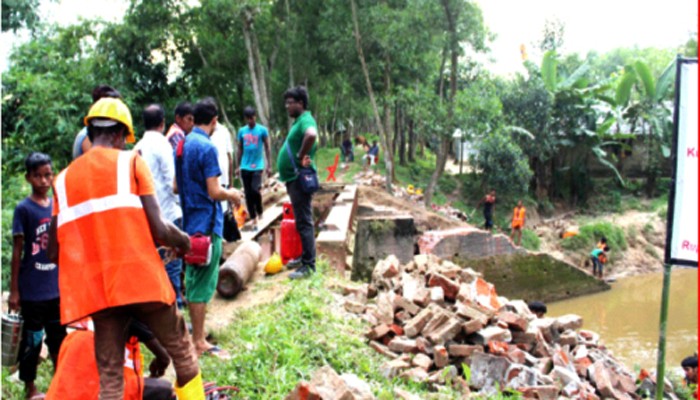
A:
[682,235]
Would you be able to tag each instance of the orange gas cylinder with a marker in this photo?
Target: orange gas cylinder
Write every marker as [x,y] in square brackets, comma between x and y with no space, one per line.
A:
[290,247]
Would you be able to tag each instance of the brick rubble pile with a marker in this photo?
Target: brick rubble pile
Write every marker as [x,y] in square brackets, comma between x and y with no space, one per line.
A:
[431,317]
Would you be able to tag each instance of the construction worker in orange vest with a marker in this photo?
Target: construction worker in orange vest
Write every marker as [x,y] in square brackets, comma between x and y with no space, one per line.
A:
[77,378]
[518,222]
[105,219]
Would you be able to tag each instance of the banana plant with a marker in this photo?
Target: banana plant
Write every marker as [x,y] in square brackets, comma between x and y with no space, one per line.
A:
[639,100]
[576,88]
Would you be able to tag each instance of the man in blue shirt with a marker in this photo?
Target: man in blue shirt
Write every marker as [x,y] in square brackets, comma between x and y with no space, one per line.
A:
[34,278]
[252,138]
[197,182]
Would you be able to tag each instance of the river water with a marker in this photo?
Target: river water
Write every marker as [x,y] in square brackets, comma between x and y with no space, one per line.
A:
[627,317]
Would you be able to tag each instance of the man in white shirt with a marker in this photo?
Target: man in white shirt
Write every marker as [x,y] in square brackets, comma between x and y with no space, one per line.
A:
[155,149]
[222,140]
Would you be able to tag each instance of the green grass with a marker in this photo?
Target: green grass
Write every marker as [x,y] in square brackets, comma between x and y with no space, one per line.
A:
[13,389]
[530,240]
[590,234]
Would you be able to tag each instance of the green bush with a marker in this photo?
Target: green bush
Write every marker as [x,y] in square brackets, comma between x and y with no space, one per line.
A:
[503,164]
[447,184]
[530,240]
[591,233]
[14,189]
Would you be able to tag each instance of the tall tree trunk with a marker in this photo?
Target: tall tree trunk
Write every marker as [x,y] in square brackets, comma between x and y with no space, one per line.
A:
[411,142]
[441,87]
[289,55]
[388,161]
[395,140]
[402,137]
[257,76]
[451,16]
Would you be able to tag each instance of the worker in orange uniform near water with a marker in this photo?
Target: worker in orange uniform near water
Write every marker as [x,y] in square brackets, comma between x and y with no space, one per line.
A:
[518,222]
[105,220]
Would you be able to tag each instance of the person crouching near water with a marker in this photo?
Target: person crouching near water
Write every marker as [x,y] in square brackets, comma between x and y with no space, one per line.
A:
[599,259]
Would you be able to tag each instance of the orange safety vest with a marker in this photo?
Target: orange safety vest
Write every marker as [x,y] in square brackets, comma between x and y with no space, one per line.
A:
[106,250]
[77,378]
[518,217]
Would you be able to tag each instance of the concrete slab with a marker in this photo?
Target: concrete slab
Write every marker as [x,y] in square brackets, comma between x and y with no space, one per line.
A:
[339,218]
[270,216]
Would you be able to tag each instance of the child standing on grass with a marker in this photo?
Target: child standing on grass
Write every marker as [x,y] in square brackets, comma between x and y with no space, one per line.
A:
[34,281]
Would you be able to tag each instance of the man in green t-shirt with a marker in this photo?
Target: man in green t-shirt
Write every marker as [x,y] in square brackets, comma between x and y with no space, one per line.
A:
[301,140]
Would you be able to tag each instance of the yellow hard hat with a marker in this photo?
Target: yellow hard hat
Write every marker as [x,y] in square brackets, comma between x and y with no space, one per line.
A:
[419,191]
[274,264]
[108,109]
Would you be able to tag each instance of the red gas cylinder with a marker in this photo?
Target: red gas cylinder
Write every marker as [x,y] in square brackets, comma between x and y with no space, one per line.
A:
[290,247]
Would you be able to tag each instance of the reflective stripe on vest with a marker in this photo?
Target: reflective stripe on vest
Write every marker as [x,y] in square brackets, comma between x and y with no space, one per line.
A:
[122,199]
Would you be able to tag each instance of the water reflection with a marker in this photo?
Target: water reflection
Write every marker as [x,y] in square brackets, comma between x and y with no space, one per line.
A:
[627,317]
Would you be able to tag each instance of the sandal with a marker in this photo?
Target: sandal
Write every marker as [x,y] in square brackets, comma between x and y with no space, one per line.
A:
[218,352]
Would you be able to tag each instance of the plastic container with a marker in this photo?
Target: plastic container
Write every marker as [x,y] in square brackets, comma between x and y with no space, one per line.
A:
[290,247]
[11,335]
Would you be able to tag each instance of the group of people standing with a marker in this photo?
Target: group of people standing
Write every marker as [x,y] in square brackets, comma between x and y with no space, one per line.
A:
[116,217]
[517,221]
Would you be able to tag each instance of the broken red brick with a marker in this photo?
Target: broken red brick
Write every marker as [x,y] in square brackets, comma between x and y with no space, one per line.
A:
[497,348]
[378,332]
[402,345]
[548,392]
[354,307]
[472,326]
[582,365]
[423,361]
[516,355]
[450,287]
[463,350]
[382,349]
[393,368]
[423,345]
[416,374]
[398,331]
[471,313]
[304,391]
[416,325]
[440,356]
[402,303]
[403,317]
[514,321]
[446,332]
[422,297]
[568,338]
